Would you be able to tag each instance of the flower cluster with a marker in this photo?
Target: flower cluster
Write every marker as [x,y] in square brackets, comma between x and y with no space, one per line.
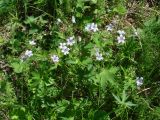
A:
[91,27]
[121,37]
[64,46]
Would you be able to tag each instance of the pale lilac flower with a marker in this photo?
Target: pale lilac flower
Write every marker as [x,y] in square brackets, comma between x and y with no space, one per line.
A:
[70,41]
[65,50]
[91,27]
[139,82]
[28,53]
[121,32]
[55,58]
[109,27]
[73,19]
[62,45]
[32,42]
[121,39]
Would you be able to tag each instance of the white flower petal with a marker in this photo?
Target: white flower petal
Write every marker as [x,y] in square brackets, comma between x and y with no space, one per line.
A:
[32,42]
[121,39]
[73,19]
[121,32]
[28,53]
[62,45]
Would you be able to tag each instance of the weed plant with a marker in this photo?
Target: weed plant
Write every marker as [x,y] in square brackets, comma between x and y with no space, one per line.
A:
[79,60]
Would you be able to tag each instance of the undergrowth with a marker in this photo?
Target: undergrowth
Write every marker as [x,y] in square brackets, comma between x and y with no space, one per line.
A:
[79,60]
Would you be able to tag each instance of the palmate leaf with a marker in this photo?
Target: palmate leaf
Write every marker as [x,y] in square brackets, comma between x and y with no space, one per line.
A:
[30,20]
[17,67]
[106,75]
[120,9]
[122,100]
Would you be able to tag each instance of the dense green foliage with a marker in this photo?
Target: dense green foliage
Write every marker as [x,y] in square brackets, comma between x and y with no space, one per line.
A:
[108,68]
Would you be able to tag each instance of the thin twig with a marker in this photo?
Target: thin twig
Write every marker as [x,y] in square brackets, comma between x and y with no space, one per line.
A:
[143,90]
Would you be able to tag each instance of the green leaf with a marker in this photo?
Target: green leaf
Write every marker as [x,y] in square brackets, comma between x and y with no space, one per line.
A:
[14,117]
[1,40]
[72,61]
[130,104]
[32,31]
[106,75]
[94,1]
[30,20]
[86,61]
[89,46]
[60,35]
[62,105]
[96,38]
[42,21]
[122,101]
[117,98]
[101,115]
[120,9]
[18,68]
[124,96]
